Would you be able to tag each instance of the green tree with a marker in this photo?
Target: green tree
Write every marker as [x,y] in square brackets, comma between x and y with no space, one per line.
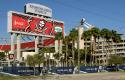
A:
[42,52]
[106,36]
[59,37]
[116,60]
[73,35]
[86,35]
[91,34]
[66,41]
[2,56]
[95,33]
[31,61]
[45,50]
[82,55]
[39,58]
[116,38]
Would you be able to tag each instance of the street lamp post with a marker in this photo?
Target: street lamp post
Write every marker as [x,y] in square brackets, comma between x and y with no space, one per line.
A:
[78,44]
[78,51]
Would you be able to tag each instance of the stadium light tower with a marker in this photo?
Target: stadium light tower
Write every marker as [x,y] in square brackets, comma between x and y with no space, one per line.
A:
[83,23]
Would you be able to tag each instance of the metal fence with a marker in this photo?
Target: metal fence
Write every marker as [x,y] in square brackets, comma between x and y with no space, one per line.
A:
[58,70]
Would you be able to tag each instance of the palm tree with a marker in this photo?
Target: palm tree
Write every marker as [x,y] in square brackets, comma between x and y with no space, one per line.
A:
[39,59]
[66,41]
[31,61]
[86,35]
[73,37]
[42,51]
[115,38]
[106,36]
[59,37]
[2,56]
[95,32]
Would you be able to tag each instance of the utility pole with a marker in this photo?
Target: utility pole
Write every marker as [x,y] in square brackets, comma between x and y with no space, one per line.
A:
[88,26]
[78,45]
[78,50]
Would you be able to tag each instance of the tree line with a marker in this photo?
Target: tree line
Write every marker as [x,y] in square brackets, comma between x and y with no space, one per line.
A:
[69,55]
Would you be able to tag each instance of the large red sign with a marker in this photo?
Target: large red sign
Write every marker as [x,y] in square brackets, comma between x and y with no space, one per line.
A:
[19,22]
[32,25]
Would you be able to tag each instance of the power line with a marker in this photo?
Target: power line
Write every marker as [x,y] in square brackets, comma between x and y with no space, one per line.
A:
[89,12]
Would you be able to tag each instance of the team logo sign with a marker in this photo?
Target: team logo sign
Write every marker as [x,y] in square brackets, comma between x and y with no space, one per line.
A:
[32,24]
[27,24]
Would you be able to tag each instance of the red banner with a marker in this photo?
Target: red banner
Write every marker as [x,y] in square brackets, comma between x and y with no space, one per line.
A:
[30,24]
[35,25]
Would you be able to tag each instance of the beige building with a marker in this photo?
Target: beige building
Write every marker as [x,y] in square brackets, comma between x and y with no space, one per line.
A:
[103,49]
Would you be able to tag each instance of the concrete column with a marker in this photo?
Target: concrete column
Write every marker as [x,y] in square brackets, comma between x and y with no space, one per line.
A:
[12,47]
[56,46]
[60,47]
[36,44]
[81,41]
[18,48]
[12,43]
[78,47]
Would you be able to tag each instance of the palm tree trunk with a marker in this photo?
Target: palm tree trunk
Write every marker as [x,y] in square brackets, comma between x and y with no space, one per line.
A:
[103,50]
[49,60]
[91,56]
[106,51]
[66,52]
[73,56]
[85,51]
[98,52]
[92,50]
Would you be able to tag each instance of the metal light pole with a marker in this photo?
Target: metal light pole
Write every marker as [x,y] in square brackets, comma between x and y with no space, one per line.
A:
[78,51]
[78,45]
[92,50]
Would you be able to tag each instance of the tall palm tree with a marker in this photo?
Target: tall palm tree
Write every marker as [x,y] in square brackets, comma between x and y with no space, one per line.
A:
[42,51]
[66,41]
[39,59]
[115,38]
[73,37]
[31,61]
[59,37]
[106,36]
[86,35]
[94,32]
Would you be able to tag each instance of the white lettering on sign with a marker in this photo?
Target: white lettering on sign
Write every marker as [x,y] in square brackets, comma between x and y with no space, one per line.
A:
[18,23]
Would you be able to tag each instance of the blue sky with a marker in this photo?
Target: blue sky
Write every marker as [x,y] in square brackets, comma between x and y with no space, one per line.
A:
[101,13]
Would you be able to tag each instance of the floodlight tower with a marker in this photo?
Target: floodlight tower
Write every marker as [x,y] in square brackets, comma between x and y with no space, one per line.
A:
[83,23]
